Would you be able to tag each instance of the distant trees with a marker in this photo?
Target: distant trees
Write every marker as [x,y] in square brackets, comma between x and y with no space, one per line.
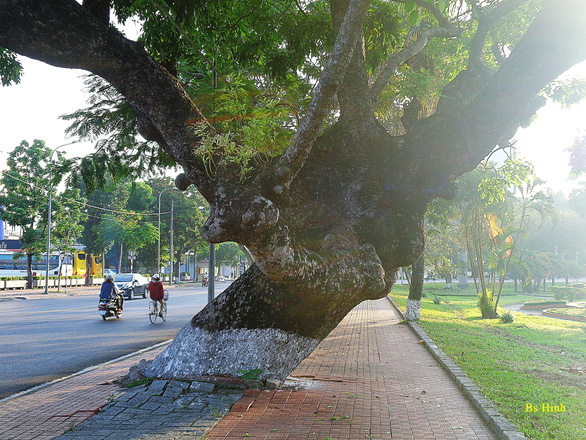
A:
[24,198]
[506,223]
[121,217]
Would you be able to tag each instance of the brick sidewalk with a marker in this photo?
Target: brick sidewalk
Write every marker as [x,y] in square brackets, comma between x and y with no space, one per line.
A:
[54,409]
[370,379]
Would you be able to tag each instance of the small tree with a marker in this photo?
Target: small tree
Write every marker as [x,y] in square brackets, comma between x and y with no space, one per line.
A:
[25,196]
[129,230]
[228,253]
[496,209]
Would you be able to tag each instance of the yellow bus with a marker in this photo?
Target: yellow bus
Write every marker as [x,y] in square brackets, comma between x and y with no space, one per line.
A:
[96,269]
[79,263]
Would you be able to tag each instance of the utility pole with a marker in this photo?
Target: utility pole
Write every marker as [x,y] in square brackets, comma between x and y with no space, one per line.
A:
[171,249]
[212,273]
[212,257]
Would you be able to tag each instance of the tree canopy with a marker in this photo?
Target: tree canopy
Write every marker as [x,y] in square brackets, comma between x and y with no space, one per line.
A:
[31,174]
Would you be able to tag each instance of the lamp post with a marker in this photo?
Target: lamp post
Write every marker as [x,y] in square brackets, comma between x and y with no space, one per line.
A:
[171,249]
[211,268]
[49,213]
[159,246]
[212,273]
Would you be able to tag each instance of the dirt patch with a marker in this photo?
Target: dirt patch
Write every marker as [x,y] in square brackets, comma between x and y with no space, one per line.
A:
[561,378]
[522,341]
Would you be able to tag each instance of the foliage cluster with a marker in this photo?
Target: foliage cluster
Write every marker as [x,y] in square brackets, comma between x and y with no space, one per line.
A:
[31,174]
[506,223]
[123,216]
[573,292]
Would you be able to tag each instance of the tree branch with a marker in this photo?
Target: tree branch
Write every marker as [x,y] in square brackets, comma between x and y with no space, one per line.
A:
[410,50]
[64,34]
[485,23]
[294,157]
[445,30]
[505,101]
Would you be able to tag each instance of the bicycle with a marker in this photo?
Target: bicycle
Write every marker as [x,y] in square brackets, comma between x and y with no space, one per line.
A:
[154,312]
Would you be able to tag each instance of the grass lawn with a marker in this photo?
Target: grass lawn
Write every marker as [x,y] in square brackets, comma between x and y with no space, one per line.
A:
[519,366]
[570,311]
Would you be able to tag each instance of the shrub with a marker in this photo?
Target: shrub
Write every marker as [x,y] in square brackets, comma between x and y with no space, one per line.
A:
[507,318]
[544,303]
[486,306]
[573,292]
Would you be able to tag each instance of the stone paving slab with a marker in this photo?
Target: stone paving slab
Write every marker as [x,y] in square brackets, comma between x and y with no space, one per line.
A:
[51,410]
[145,413]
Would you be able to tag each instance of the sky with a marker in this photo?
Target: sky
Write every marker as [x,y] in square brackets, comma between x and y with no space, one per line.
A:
[30,110]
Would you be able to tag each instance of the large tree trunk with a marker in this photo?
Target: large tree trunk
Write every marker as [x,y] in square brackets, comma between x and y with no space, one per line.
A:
[331,220]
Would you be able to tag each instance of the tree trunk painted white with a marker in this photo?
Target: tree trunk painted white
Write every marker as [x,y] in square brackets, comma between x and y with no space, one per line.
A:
[196,352]
[463,282]
[412,312]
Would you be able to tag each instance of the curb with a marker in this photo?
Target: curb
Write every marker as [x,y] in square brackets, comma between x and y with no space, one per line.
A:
[504,428]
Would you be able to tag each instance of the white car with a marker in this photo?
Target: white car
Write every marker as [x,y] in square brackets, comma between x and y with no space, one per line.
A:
[132,284]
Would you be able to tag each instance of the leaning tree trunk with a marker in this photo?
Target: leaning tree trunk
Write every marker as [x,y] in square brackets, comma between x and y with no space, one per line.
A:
[413,310]
[310,272]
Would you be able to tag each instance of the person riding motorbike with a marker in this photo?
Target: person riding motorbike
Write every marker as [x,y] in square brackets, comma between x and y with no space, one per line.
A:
[109,290]
[157,291]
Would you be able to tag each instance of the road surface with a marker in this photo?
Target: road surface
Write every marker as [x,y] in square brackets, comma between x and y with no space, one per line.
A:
[47,338]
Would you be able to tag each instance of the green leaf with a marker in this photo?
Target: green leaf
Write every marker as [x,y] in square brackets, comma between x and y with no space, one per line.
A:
[442,6]
[413,18]
[410,6]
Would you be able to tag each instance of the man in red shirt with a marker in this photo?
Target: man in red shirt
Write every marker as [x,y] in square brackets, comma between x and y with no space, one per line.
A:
[157,291]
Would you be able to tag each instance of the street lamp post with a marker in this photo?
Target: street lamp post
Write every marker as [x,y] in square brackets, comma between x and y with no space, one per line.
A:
[159,246]
[211,268]
[49,213]
[171,249]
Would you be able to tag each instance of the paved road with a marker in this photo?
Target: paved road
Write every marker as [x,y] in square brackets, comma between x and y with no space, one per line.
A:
[47,338]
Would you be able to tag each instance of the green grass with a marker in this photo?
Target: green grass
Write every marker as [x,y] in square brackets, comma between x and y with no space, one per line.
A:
[570,311]
[514,364]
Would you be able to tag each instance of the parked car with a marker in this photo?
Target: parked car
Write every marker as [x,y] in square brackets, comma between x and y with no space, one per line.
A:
[132,284]
[109,272]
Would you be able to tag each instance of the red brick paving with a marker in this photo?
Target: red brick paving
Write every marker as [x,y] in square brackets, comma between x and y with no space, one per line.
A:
[369,379]
[51,410]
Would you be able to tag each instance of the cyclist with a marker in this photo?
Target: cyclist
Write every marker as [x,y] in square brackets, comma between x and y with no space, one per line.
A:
[110,290]
[157,291]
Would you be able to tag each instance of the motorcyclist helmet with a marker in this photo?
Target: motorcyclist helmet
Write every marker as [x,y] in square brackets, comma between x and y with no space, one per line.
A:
[156,277]
[110,278]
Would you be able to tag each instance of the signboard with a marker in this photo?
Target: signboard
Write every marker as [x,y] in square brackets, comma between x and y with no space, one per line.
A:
[10,245]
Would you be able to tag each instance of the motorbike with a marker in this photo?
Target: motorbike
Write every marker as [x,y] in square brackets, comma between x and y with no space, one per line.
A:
[109,307]
[204,282]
